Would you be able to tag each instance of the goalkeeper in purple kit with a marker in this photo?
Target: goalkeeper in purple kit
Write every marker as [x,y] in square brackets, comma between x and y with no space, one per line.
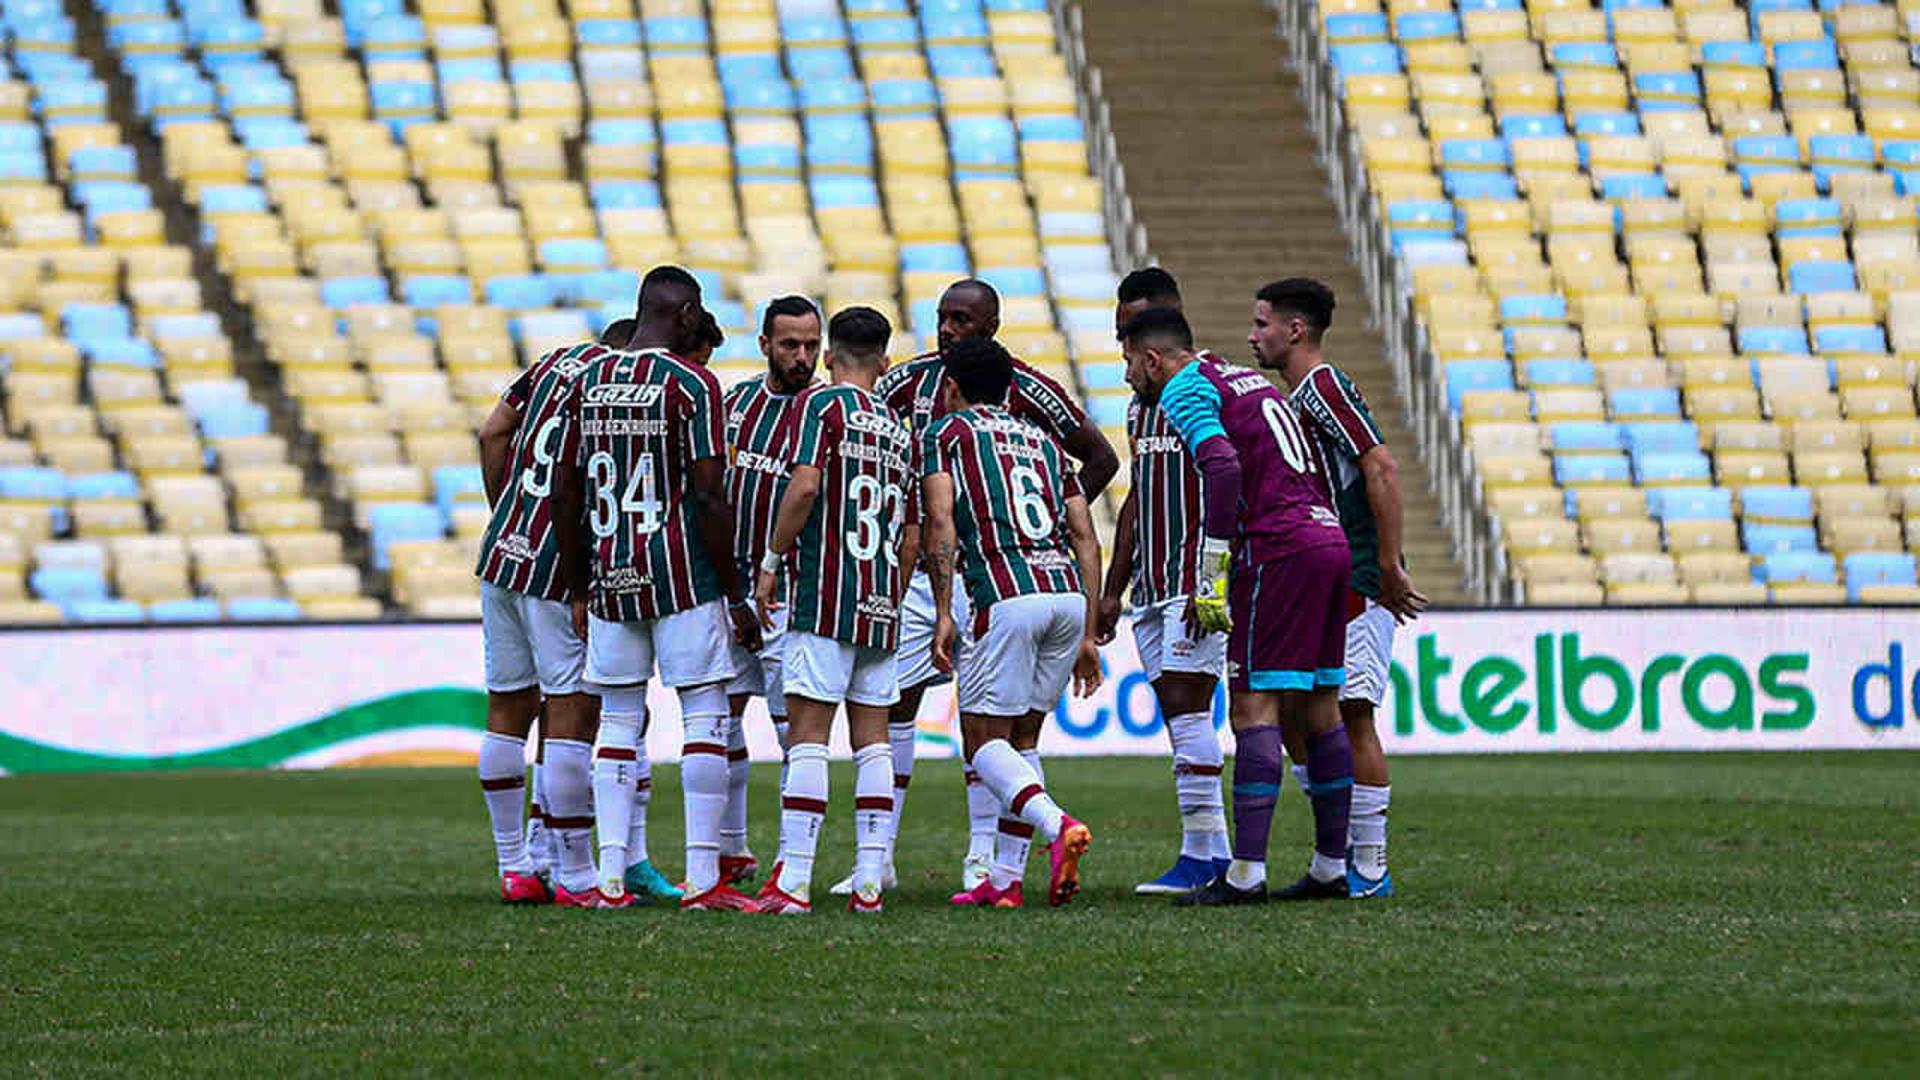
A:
[1272,532]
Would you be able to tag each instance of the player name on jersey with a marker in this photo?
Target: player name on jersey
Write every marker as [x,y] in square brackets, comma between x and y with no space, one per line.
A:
[1333,409]
[642,419]
[519,550]
[846,565]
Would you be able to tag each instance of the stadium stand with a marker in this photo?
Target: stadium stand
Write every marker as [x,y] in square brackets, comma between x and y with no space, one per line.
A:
[409,202]
[1651,274]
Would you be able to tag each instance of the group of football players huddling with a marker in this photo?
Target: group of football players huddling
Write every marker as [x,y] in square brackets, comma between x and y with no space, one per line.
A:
[855,541]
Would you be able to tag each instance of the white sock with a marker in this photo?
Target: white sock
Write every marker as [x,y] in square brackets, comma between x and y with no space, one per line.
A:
[1300,777]
[615,757]
[703,781]
[503,780]
[539,844]
[1197,762]
[900,744]
[1012,842]
[1017,786]
[873,794]
[1324,868]
[983,815]
[1367,829]
[1246,874]
[803,806]
[1032,758]
[733,823]
[570,811]
[642,800]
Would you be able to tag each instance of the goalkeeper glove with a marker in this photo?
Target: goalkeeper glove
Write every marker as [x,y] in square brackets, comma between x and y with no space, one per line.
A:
[1210,593]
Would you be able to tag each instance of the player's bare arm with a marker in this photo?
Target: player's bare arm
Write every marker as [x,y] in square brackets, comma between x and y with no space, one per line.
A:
[909,554]
[1119,570]
[715,516]
[940,540]
[803,488]
[1086,551]
[1382,475]
[1098,463]
[496,449]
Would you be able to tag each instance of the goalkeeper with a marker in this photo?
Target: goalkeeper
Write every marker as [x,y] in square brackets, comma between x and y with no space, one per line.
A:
[1274,574]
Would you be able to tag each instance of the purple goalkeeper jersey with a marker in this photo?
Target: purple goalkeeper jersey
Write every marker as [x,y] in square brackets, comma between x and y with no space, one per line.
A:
[1284,502]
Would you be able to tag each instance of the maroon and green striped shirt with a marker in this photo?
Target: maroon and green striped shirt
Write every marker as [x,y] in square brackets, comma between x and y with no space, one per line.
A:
[1011,485]
[519,550]
[1166,492]
[759,448]
[640,421]
[846,565]
[912,391]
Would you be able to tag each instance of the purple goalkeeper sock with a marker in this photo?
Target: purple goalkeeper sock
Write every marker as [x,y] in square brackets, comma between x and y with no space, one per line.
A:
[1256,787]
[1330,771]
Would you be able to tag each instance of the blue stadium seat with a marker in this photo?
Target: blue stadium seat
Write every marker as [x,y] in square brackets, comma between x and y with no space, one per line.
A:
[1672,467]
[905,97]
[838,142]
[1532,126]
[1850,339]
[1796,565]
[1772,339]
[755,161]
[1377,59]
[233,421]
[1817,277]
[982,143]
[1834,154]
[627,131]
[1583,436]
[106,611]
[1592,55]
[1760,538]
[1484,155]
[885,33]
[1479,185]
[1775,503]
[1745,54]
[1691,503]
[263,609]
[1814,55]
[1356,28]
[960,62]
[1633,186]
[1665,91]
[1807,217]
[813,31]
[105,485]
[349,291]
[67,585]
[399,522]
[270,132]
[607,33]
[1644,401]
[809,64]
[1421,218]
[85,322]
[522,292]
[939,257]
[1661,436]
[573,251]
[1571,469]
[1468,376]
[676,33]
[452,481]
[1102,375]
[1867,568]
[1548,309]
[34,483]
[199,609]
[818,96]
[1108,409]
[625,195]
[614,286]
[432,290]
[1560,373]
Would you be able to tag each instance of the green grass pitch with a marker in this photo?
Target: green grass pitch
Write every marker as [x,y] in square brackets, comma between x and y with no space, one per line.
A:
[1617,915]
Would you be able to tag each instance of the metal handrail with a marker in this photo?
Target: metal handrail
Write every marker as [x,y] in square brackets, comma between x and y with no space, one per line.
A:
[1126,236]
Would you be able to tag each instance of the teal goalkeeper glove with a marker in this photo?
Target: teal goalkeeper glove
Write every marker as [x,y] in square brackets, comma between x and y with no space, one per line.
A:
[1210,591]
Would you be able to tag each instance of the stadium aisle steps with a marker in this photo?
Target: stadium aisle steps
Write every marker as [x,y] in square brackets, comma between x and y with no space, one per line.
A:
[1218,154]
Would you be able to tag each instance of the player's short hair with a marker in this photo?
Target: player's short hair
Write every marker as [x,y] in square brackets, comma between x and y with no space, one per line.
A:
[1305,297]
[1159,325]
[789,306]
[662,282]
[1149,283]
[711,335]
[618,333]
[992,294]
[859,334]
[982,369]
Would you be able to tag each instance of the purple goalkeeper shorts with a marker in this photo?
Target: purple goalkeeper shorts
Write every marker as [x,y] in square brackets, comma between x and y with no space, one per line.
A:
[1290,621]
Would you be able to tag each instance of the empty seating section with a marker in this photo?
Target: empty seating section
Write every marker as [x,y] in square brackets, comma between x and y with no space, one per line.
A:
[1666,269]
[409,200]
[139,478]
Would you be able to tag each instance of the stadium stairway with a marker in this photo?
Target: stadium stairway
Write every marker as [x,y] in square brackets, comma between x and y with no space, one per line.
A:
[250,362]
[1223,173]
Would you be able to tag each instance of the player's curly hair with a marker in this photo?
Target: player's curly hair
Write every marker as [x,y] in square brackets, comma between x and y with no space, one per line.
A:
[982,369]
[1305,297]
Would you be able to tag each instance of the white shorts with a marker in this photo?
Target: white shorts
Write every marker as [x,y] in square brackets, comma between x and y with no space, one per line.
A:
[822,669]
[1160,635]
[1024,659]
[529,642]
[916,630]
[1369,655]
[759,674]
[693,647]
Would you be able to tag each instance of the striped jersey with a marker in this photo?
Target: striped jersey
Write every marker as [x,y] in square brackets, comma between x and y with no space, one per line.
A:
[519,550]
[913,392]
[1343,425]
[1166,492]
[846,566]
[759,446]
[640,421]
[1011,484]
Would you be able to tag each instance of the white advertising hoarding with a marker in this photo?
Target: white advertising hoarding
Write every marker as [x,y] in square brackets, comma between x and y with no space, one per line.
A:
[1463,682]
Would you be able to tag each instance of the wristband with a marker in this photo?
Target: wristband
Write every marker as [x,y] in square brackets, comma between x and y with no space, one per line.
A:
[771,562]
